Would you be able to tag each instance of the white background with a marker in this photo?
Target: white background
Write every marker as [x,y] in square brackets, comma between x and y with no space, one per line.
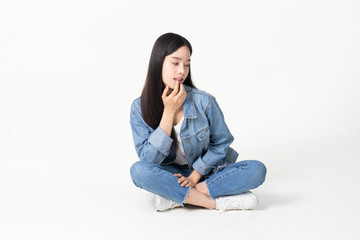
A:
[285,73]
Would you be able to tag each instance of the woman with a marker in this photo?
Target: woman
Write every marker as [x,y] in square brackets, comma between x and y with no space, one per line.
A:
[182,139]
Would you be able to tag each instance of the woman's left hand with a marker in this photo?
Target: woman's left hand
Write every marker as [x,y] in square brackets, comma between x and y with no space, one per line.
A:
[189,181]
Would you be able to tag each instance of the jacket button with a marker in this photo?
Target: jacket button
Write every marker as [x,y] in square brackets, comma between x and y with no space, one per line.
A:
[188,141]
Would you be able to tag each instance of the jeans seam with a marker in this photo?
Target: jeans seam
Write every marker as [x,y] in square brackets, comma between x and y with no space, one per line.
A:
[162,170]
[222,176]
[169,173]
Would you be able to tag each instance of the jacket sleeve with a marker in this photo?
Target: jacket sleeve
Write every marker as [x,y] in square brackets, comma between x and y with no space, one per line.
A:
[220,140]
[150,145]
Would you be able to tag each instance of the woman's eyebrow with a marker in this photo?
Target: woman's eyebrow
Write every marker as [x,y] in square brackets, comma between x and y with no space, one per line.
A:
[180,58]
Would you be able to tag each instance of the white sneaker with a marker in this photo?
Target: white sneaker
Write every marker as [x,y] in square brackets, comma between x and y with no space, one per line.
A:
[243,201]
[162,204]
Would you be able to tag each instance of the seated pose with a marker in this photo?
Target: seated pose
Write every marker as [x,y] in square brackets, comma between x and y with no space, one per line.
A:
[182,140]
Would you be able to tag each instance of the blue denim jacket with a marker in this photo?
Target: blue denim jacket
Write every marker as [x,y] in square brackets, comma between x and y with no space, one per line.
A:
[205,136]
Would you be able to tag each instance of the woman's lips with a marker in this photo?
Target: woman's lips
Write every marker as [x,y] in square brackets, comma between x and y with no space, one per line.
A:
[178,79]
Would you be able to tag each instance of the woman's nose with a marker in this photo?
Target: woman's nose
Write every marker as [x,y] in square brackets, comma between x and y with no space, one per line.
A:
[181,70]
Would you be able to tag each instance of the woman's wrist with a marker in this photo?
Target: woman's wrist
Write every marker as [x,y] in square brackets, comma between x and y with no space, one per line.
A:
[195,176]
[166,122]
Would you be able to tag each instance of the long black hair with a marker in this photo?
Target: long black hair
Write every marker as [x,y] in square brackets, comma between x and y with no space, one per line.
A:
[152,106]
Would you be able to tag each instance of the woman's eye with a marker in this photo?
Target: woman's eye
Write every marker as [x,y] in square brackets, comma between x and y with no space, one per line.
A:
[175,63]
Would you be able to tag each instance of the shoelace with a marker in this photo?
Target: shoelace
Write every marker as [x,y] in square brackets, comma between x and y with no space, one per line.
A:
[174,204]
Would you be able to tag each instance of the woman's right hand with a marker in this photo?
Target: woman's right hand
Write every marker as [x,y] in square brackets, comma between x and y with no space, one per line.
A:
[172,104]
[174,100]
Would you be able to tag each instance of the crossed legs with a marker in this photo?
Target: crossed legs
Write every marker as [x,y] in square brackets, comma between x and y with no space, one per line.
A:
[200,196]
[234,179]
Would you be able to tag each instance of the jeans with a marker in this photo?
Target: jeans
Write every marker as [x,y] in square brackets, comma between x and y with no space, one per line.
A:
[235,178]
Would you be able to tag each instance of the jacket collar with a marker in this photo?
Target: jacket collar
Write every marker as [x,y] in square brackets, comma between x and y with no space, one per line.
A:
[188,105]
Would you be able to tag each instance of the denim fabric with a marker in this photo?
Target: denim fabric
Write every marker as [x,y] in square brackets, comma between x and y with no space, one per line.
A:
[206,141]
[205,136]
[234,178]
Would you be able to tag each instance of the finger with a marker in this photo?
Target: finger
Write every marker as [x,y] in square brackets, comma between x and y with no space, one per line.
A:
[185,182]
[165,92]
[178,175]
[182,179]
[182,89]
[180,97]
[176,89]
[182,92]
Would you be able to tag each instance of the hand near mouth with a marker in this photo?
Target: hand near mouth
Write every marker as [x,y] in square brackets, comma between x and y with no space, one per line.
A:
[174,99]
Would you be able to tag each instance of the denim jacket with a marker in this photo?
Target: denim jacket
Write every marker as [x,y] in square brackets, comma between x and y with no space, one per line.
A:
[204,134]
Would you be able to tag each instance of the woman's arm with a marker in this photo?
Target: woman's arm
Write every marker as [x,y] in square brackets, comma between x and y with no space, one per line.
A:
[220,140]
[150,145]
[155,145]
[172,103]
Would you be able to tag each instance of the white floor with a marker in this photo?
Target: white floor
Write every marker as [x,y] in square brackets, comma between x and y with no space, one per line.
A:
[56,189]
[285,73]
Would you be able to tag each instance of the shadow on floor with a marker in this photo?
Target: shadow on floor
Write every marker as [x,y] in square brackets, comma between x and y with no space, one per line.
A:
[265,202]
[269,201]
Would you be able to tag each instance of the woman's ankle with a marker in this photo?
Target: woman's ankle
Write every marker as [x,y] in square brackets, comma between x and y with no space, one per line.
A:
[198,198]
[201,187]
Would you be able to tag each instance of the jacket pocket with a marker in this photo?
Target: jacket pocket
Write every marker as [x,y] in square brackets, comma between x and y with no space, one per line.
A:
[203,137]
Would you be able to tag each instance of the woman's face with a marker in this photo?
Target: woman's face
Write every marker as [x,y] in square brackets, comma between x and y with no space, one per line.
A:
[176,67]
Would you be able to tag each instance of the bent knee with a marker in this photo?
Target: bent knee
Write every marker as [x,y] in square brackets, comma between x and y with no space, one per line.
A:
[259,171]
[138,170]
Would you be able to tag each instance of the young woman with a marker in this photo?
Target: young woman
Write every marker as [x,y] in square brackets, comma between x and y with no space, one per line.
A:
[182,139]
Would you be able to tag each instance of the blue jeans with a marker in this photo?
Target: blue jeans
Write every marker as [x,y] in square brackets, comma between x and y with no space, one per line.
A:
[235,178]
